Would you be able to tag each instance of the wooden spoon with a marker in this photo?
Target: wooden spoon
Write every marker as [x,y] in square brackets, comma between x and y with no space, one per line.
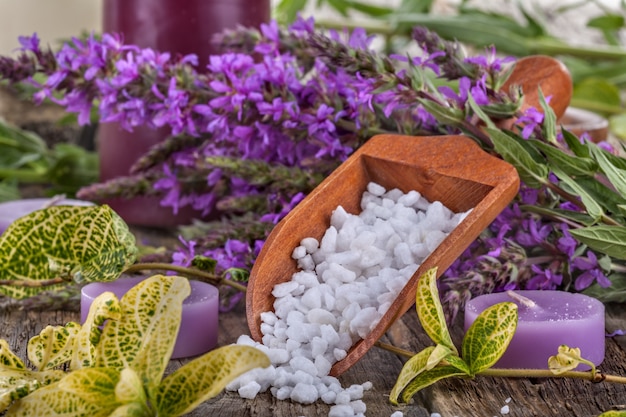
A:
[540,72]
[450,169]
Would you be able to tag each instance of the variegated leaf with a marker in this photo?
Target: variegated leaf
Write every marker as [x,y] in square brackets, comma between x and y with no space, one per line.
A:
[18,383]
[566,360]
[430,311]
[613,413]
[427,378]
[83,243]
[129,389]
[104,307]
[8,359]
[86,392]
[488,337]
[440,353]
[411,369]
[53,346]
[205,377]
[144,336]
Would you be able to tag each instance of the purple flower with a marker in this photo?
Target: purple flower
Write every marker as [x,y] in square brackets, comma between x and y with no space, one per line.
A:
[544,279]
[530,120]
[29,43]
[591,272]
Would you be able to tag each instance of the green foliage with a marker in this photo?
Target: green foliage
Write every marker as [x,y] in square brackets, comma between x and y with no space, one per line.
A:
[25,158]
[484,343]
[76,243]
[124,375]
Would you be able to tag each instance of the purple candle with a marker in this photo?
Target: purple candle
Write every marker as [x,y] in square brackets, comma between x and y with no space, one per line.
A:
[13,210]
[550,319]
[199,322]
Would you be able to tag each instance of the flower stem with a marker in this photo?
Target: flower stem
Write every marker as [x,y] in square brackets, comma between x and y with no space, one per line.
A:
[545,373]
[202,275]
[522,373]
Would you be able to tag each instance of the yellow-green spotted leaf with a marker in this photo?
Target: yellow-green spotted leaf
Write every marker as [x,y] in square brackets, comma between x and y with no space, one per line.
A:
[8,359]
[143,338]
[130,410]
[427,378]
[18,383]
[411,369]
[488,337]
[85,392]
[104,307]
[440,353]
[205,377]
[53,346]
[129,389]
[430,311]
[85,244]
[613,413]
[567,359]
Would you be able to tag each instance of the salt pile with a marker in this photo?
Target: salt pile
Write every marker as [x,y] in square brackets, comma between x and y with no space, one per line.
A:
[344,285]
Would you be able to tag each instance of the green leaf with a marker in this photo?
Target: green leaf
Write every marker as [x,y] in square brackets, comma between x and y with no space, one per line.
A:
[86,392]
[428,378]
[531,172]
[603,195]
[591,205]
[570,164]
[615,174]
[412,368]
[610,240]
[205,377]
[144,336]
[479,112]
[616,293]
[89,243]
[573,143]
[549,119]
[580,218]
[286,11]
[594,89]
[430,311]
[488,337]
[612,21]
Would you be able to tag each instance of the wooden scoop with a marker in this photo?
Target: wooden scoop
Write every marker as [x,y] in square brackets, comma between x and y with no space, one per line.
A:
[450,169]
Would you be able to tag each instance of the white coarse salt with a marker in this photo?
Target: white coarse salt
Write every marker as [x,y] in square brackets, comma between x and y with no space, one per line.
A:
[346,282]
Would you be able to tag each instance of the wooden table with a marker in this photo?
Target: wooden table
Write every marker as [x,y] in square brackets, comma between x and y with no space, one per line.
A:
[481,397]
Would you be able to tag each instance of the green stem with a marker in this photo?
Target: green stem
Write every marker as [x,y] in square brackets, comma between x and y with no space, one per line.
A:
[24,175]
[204,276]
[545,373]
[521,373]
[32,283]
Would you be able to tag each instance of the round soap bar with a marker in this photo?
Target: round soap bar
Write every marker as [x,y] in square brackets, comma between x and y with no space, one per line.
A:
[551,319]
[199,322]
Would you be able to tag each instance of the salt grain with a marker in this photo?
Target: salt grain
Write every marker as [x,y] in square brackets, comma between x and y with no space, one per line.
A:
[347,281]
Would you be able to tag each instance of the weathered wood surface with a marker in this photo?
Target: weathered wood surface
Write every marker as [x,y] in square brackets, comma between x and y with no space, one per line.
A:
[481,397]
